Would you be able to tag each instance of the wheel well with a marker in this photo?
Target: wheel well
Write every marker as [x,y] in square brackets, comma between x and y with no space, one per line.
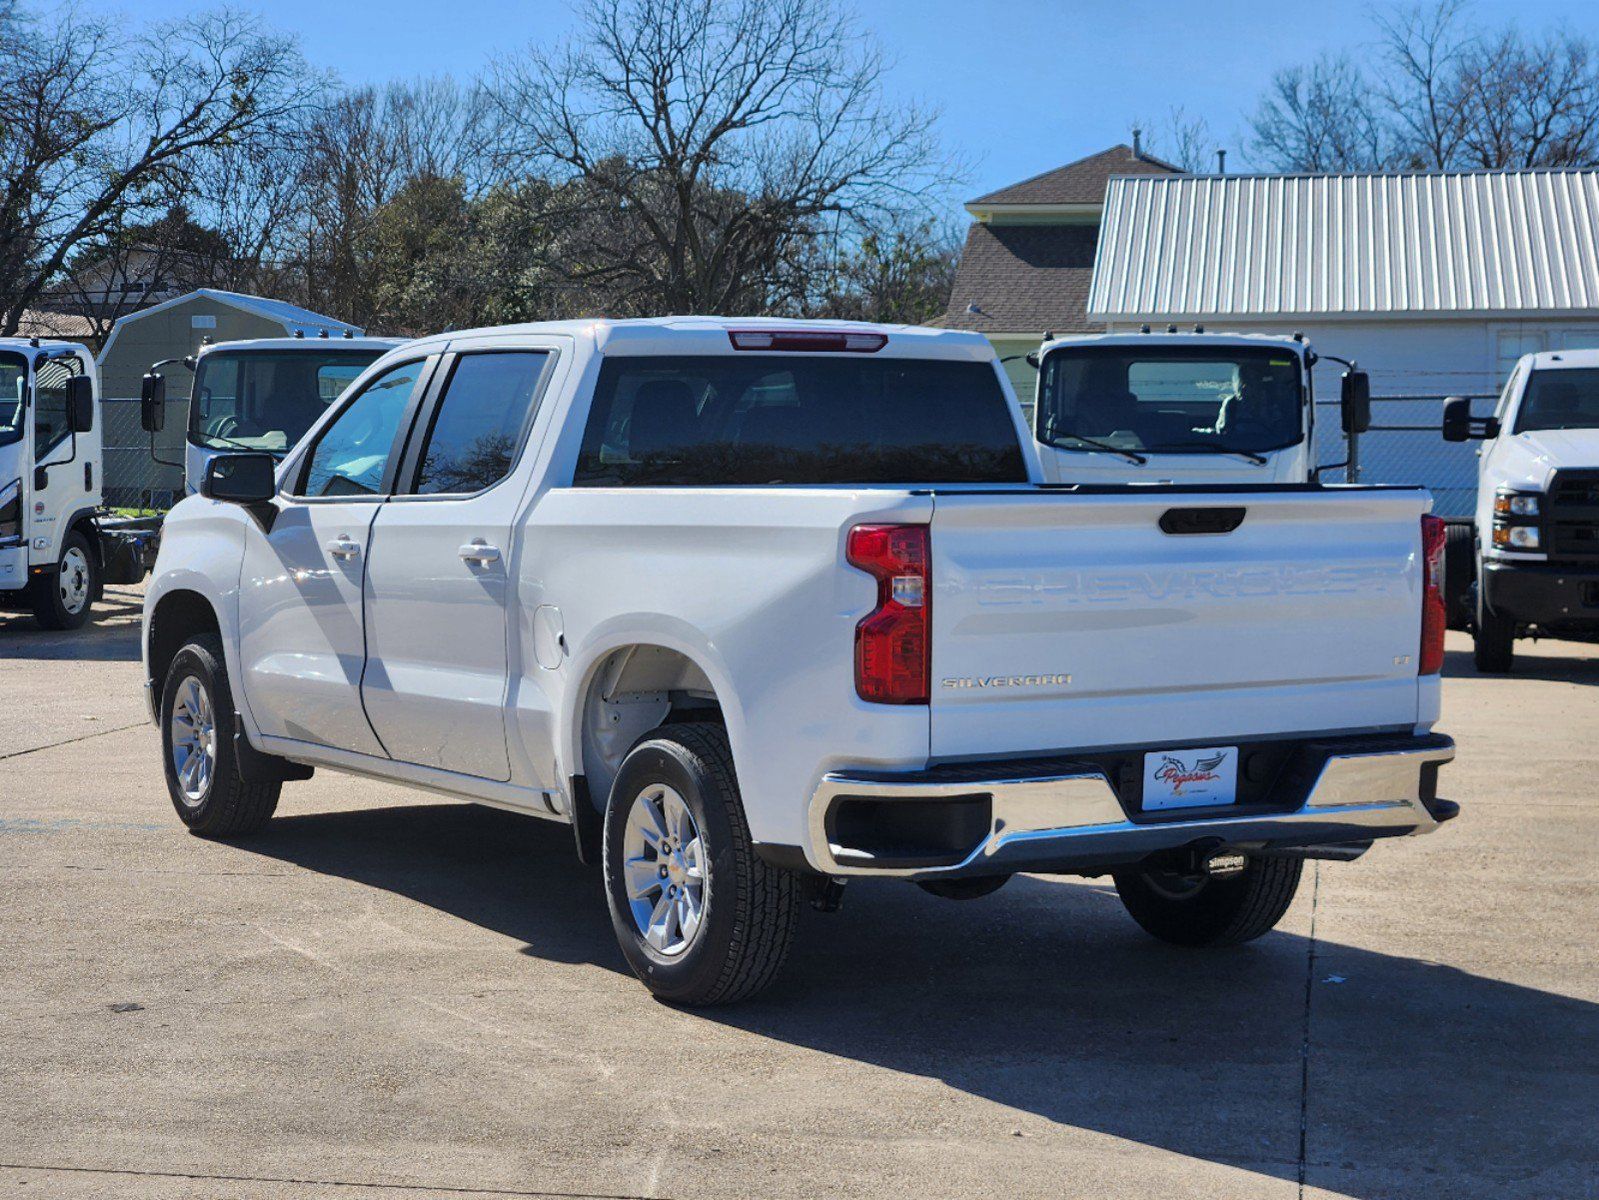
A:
[177,617]
[633,690]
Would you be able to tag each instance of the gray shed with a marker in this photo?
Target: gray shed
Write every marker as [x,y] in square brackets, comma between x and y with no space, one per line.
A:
[174,329]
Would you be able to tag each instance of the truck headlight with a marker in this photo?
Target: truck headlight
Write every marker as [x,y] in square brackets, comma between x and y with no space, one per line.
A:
[1518,537]
[1516,504]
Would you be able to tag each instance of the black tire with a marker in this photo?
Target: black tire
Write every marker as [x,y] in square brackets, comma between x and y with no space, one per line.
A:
[750,908]
[65,598]
[1493,638]
[1460,570]
[226,806]
[1221,911]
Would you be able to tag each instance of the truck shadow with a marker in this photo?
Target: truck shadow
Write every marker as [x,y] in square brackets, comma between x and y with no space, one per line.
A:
[1045,998]
[112,634]
[1529,664]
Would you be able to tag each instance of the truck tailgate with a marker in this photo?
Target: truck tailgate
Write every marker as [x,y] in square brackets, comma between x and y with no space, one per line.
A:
[1065,621]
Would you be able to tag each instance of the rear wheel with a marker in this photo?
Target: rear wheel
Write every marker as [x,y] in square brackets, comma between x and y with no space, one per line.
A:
[700,917]
[1460,568]
[63,600]
[1494,637]
[1202,910]
[197,747]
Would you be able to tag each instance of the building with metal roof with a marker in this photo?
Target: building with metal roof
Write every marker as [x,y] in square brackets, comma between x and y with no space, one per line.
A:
[1444,279]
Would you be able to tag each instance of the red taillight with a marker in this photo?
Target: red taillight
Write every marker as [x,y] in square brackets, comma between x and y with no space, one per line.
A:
[1434,618]
[893,658]
[852,341]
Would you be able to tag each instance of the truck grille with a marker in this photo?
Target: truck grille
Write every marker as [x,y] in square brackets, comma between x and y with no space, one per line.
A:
[1573,517]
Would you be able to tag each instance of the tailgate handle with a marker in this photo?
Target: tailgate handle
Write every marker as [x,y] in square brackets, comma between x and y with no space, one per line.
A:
[1201,520]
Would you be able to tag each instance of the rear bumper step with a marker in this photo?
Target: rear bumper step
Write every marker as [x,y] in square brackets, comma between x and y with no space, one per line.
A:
[994,818]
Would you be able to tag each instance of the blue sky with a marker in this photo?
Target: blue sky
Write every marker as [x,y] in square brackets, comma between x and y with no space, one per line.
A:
[1024,86]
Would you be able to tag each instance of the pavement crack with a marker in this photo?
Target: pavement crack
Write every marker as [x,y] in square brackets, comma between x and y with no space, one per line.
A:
[294,1181]
[1304,1041]
[72,741]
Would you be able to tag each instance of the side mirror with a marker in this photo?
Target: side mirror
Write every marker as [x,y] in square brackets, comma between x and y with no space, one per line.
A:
[153,402]
[1460,426]
[241,478]
[80,404]
[1356,401]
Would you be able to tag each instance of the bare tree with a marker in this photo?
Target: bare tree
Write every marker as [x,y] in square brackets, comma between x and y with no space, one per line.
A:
[1528,104]
[700,142]
[1181,140]
[1442,94]
[1319,118]
[97,127]
[362,152]
[1423,90]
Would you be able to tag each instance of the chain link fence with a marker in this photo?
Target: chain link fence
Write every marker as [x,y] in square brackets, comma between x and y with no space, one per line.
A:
[1404,445]
[132,478]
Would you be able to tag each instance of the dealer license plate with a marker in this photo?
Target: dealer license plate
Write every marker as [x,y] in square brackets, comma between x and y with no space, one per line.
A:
[1190,778]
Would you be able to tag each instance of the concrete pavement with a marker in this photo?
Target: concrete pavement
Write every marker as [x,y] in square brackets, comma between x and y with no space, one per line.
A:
[386,995]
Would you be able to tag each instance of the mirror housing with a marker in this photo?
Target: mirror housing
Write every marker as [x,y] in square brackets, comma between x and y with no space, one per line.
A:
[153,402]
[1460,426]
[246,479]
[80,404]
[1355,399]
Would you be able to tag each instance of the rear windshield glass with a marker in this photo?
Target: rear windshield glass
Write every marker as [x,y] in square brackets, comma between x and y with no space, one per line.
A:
[1561,399]
[804,419]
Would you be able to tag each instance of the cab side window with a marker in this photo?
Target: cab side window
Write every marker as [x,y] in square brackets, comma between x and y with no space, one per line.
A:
[352,453]
[482,419]
[50,407]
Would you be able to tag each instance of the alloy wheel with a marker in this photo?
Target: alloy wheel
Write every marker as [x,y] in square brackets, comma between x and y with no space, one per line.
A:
[664,869]
[194,740]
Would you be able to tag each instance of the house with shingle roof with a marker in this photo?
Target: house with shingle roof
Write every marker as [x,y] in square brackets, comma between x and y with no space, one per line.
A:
[1029,256]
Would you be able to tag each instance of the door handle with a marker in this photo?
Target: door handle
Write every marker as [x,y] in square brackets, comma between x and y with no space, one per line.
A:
[343,547]
[480,552]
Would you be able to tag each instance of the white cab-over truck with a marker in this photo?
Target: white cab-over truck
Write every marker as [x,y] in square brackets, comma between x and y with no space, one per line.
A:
[58,546]
[760,606]
[1184,407]
[1533,564]
[261,394]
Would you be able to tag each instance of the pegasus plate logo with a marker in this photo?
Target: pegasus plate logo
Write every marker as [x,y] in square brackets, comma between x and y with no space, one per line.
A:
[1176,772]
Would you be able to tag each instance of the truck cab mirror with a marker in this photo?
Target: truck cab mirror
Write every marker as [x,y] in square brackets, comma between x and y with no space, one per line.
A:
[80,404]
[241,478]
[1460,426]
[1356,401]
[153,402]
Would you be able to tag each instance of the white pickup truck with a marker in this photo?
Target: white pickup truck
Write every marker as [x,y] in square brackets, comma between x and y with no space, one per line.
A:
[758,606]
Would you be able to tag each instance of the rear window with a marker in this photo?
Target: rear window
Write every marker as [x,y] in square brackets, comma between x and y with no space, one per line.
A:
[803,419]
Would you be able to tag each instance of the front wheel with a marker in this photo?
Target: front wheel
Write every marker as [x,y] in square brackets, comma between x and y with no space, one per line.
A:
[1202,910]
[700,917]
[197,722]
[63,600]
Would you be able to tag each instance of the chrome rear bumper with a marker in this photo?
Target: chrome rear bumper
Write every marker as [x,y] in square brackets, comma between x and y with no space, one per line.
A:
[1070,819]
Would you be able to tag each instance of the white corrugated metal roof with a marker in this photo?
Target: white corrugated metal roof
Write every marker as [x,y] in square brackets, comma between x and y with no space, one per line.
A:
[1351,245]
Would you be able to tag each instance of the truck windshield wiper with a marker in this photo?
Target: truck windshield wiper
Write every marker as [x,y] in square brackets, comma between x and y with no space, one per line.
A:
[1129,455]
[1249,454]
[217,437]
